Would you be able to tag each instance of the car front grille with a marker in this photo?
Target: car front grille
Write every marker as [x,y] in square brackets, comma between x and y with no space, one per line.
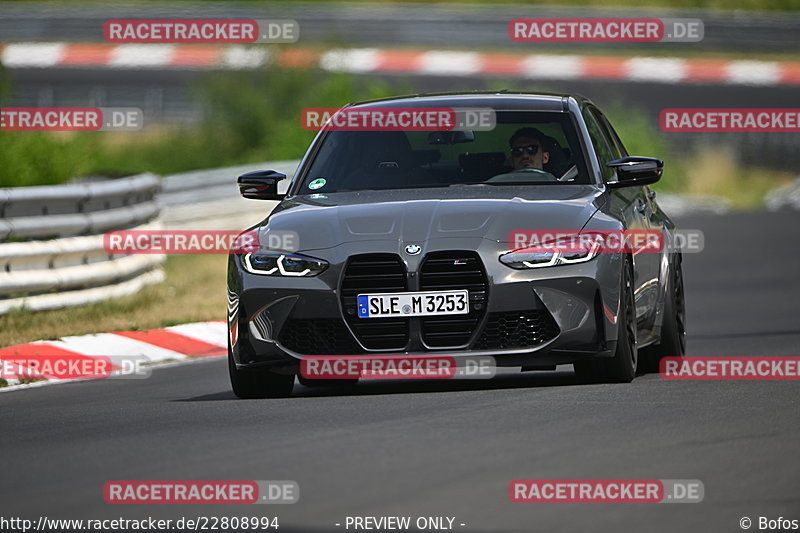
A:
[517,329]
[451,270]
[375,273]
[385,273]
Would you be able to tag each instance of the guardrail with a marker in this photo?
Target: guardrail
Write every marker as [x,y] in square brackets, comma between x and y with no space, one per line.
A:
[51,244]
[199,186]
[786,197]
[51,237]
[209,199]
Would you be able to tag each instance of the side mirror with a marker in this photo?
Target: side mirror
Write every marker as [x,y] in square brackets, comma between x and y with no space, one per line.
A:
[635,170]
[261,185]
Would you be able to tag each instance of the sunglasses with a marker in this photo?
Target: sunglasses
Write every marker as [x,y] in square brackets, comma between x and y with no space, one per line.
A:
[532,149]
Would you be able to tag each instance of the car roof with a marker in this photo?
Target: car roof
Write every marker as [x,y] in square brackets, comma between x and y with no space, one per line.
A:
[494,99]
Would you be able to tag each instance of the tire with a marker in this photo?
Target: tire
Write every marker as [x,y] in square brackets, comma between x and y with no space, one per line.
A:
[673,330]
[622,367]
[257,383]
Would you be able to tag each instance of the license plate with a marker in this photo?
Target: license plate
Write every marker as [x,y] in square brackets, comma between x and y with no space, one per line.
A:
[428,303]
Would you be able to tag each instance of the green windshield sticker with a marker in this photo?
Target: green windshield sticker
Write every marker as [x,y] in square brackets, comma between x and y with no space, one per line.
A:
[317,184]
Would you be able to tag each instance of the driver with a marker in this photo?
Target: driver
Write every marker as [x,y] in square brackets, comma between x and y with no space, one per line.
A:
[527,149]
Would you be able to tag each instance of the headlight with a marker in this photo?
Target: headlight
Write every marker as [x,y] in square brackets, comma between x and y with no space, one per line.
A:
[285,265]
[563,251]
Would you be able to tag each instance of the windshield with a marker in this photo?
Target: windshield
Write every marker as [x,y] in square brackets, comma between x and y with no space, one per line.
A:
[524,148]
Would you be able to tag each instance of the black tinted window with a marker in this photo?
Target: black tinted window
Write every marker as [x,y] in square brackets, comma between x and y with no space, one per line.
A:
[357,160]
[604,148]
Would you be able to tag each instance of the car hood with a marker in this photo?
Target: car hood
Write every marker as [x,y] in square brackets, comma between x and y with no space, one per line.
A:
[418,215]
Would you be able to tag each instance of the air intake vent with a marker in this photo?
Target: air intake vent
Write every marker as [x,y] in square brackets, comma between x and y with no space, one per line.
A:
[324,336]
[375,273]
[263,326]
[517,329]
[447,271]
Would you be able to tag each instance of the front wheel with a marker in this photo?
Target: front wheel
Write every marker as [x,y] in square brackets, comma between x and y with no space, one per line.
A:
[622,367]
[253,383]
[673,330]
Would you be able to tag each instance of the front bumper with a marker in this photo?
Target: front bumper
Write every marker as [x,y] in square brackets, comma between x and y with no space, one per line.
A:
[530,318]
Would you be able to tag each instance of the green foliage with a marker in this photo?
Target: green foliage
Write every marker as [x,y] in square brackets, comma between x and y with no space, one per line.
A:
[641,136]
[258,116]
[34,158]
[252,117]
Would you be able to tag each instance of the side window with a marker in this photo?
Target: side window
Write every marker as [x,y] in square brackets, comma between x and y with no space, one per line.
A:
[610,132]
[602,146]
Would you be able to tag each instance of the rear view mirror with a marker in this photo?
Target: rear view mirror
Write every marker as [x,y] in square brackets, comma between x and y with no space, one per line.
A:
[451,137]
[261,185]
[635,170]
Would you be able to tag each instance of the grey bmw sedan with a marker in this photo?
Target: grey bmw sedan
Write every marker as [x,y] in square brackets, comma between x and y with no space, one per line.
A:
[471,238]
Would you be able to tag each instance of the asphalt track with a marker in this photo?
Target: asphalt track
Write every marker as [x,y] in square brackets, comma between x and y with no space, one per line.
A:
[428,449]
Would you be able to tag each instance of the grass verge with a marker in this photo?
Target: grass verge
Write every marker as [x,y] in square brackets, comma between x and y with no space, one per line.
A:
[194,291]
[716,172]
[252,117]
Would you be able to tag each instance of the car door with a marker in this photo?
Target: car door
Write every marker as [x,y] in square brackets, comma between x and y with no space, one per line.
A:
[632,205]
[657,221]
